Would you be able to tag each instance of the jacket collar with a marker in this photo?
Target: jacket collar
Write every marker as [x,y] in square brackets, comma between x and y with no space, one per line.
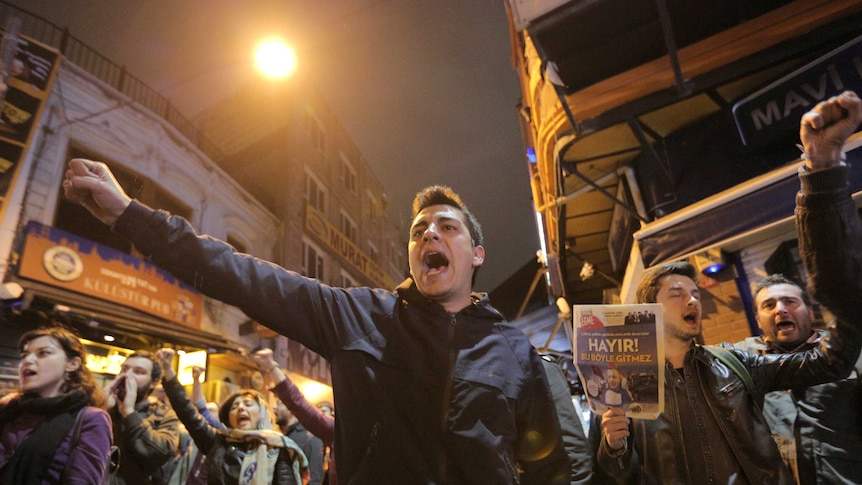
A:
[480,307]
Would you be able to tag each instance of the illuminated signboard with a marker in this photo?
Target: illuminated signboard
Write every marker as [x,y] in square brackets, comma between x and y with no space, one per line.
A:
[65,260]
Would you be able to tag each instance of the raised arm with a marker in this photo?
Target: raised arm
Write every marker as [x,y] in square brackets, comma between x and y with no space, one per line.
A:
[319,424]
[829,230]
[199,429]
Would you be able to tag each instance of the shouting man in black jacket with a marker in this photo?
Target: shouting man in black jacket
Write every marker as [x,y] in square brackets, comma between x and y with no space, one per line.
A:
[431,384]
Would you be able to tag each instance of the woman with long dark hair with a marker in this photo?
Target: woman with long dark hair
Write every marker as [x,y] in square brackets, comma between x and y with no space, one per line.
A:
[55,430]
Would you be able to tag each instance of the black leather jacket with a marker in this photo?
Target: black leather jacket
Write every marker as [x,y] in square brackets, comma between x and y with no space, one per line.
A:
[830,243]
[655,442]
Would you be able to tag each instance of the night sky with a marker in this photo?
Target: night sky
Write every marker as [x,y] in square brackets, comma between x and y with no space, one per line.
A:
[425,88]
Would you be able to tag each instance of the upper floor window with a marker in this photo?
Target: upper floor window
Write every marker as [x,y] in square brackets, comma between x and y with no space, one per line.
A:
[347,281]
[315,130]
[313,262]
[315,194]
[374,209]
[373,253]
[237,244]
[348,227]
[348,175]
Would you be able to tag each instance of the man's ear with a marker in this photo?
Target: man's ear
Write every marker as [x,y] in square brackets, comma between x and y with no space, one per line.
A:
[478,256]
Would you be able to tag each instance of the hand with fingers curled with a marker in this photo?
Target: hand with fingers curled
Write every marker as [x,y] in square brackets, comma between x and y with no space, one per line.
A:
[93,186]
[826,128]
[615,427]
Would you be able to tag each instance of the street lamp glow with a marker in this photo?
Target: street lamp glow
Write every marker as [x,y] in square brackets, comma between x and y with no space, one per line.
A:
[275,58]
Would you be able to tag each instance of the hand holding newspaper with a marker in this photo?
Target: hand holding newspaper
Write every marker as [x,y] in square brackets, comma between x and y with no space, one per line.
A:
[619,354]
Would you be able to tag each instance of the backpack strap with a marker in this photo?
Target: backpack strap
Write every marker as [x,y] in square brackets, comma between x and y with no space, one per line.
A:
[734,364]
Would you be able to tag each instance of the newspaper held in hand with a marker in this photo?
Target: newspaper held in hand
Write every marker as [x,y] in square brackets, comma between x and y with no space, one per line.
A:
[619,354]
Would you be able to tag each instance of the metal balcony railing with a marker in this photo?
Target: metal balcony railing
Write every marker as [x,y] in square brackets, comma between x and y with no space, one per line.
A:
[113,74]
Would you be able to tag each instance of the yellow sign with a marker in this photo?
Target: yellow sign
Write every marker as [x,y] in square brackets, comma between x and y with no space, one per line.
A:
[326,233]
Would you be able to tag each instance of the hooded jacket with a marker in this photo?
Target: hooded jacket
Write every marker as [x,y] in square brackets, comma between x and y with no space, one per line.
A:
[423,395]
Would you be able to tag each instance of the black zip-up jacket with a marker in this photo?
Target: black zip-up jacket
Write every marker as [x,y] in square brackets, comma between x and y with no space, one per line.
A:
[422,395]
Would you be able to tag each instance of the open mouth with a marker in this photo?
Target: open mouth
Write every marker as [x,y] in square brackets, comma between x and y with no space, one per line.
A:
[690,318]
[28,373]
[435,261]
[785,326]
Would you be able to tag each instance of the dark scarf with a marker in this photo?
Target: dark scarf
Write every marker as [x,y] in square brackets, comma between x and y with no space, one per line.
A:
[34,455]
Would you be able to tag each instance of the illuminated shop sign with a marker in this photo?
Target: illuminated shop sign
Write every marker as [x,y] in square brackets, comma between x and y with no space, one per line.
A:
[67,261]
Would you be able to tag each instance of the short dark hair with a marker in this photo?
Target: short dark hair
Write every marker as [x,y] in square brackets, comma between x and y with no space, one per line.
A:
[648,287]
[442,195]
[157,369]
[780,279]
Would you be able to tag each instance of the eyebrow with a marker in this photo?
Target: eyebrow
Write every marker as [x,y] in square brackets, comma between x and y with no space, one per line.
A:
[424,222]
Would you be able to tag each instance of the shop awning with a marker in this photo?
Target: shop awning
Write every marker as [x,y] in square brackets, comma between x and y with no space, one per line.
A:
[759,202]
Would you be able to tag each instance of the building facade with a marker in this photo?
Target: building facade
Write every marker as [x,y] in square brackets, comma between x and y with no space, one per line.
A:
[304,198]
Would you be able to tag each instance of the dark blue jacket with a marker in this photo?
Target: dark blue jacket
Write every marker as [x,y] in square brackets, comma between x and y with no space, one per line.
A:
[423,395]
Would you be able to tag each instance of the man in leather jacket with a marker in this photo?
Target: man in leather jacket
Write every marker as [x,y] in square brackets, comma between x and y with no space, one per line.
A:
[818,429]
[712,430]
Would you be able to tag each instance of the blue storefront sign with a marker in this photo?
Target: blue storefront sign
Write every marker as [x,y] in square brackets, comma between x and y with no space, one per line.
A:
[773,112]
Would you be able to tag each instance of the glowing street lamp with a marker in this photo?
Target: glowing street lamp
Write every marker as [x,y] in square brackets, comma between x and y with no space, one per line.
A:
[275,58]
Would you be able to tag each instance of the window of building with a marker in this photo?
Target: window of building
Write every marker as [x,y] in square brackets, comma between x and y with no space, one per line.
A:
[347,281]
[73,218]
[348,227]
[313,261]
[374,209]
[373,253]
[315,194]
[315,130]
[237,244]
[348,175]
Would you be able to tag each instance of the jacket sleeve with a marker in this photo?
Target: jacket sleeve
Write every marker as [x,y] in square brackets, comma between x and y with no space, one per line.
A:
[609,467]
[89,460]
[202,408]
[320,317]
[830,241]
[319,424]
[574,439]
[203,434]
[148,441]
